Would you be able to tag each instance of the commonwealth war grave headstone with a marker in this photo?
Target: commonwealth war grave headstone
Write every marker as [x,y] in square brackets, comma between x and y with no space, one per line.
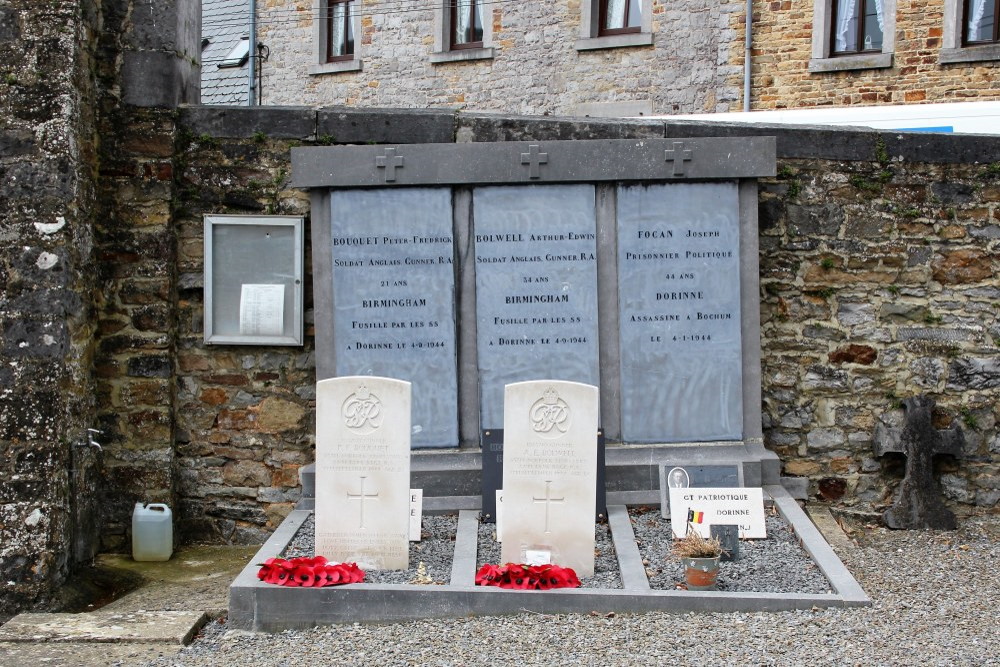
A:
[363,471]
[550,465]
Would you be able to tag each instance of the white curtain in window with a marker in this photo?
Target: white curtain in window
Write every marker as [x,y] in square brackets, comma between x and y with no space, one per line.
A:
[464,19]
[878,15]
[337,37]
[479,16]
[616,14]
[978,8]
[845,25]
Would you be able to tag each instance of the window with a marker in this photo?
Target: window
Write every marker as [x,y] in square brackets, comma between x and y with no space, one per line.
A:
[467,24]
[609,24]
[336,28]
[980,26]
[971,31]
[238,55]
[620,17]
[339,31]
[852,35]
[857,26]
[463,30]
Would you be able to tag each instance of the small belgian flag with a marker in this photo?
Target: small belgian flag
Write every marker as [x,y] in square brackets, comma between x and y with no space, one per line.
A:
[695,517]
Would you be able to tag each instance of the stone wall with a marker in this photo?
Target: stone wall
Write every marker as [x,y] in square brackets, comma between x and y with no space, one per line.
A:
[877,261]
[535,69]
[47,186]
[782,47]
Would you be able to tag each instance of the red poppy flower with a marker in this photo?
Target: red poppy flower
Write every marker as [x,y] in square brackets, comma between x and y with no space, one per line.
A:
[489,575]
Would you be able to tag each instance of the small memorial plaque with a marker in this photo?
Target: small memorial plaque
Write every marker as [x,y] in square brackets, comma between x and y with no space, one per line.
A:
[549,473]
[416,513]
[393,294]
[363,471]
[729,536]
[679,312]
[704,508]
[695,476]
[536,288]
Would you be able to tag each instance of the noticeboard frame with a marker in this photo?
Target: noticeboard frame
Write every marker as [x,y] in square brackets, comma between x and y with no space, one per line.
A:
[244,237]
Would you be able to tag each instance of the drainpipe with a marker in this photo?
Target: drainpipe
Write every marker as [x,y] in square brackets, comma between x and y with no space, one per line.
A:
[252,60]
[747,56]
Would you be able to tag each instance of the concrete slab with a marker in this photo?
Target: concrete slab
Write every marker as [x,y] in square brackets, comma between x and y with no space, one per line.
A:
[75,654]
[166,627]
[257,606]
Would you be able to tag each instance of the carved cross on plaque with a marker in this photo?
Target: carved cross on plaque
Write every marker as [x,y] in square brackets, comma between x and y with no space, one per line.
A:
[389,162]
[361,497]
[919,503]
[534,159]
[678,155]
[548,500]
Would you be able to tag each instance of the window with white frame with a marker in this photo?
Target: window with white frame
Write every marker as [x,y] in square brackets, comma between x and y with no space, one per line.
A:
[971,31]
[336,25]
[463,30]
[609,24]
[852,34]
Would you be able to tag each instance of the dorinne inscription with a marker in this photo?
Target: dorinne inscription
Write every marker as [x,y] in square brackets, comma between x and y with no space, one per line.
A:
[679,312]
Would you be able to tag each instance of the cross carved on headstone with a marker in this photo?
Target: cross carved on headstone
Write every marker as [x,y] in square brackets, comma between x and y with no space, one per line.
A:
[919,503]
[389,162]
[533,158]
[548,500]
[361,497]
[678,155]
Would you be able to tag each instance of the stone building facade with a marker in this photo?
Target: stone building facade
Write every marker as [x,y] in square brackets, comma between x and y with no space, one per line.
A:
[543,58]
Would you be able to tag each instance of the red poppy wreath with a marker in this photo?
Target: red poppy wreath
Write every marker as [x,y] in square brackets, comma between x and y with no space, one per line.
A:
[313,572]
[527,577]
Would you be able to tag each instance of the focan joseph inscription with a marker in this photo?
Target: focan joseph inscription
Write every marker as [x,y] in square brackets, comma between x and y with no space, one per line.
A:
[679,312]
[604,264]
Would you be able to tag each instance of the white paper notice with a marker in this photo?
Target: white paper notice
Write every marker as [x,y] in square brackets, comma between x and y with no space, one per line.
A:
[262,310]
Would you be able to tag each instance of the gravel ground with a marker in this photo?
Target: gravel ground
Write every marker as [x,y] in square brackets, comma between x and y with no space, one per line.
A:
[935,595]
[776,564]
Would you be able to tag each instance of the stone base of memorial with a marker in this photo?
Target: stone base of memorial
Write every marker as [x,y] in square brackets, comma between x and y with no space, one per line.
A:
[627,578]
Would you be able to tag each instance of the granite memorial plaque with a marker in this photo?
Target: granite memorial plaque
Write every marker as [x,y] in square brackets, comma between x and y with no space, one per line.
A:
[679,312]
[536,288]
[728,535]
[394,298]
[549,473]
[695,476]
[711,507]
[363,471]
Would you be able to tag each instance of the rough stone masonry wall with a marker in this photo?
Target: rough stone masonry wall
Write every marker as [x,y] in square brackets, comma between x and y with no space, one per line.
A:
[47,143]
[877,271]
[879,283]
[782,47]
[536,69]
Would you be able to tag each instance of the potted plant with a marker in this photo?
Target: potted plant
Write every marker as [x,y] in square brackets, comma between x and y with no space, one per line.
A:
[700,558]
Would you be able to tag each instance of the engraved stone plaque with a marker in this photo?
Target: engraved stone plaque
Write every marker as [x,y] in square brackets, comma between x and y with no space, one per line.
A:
[549,473]
[679,312]
[363,471]
[536,288]
[393,294]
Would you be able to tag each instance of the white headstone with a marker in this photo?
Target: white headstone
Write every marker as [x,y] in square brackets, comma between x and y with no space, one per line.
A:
[363,471]
[550,473]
